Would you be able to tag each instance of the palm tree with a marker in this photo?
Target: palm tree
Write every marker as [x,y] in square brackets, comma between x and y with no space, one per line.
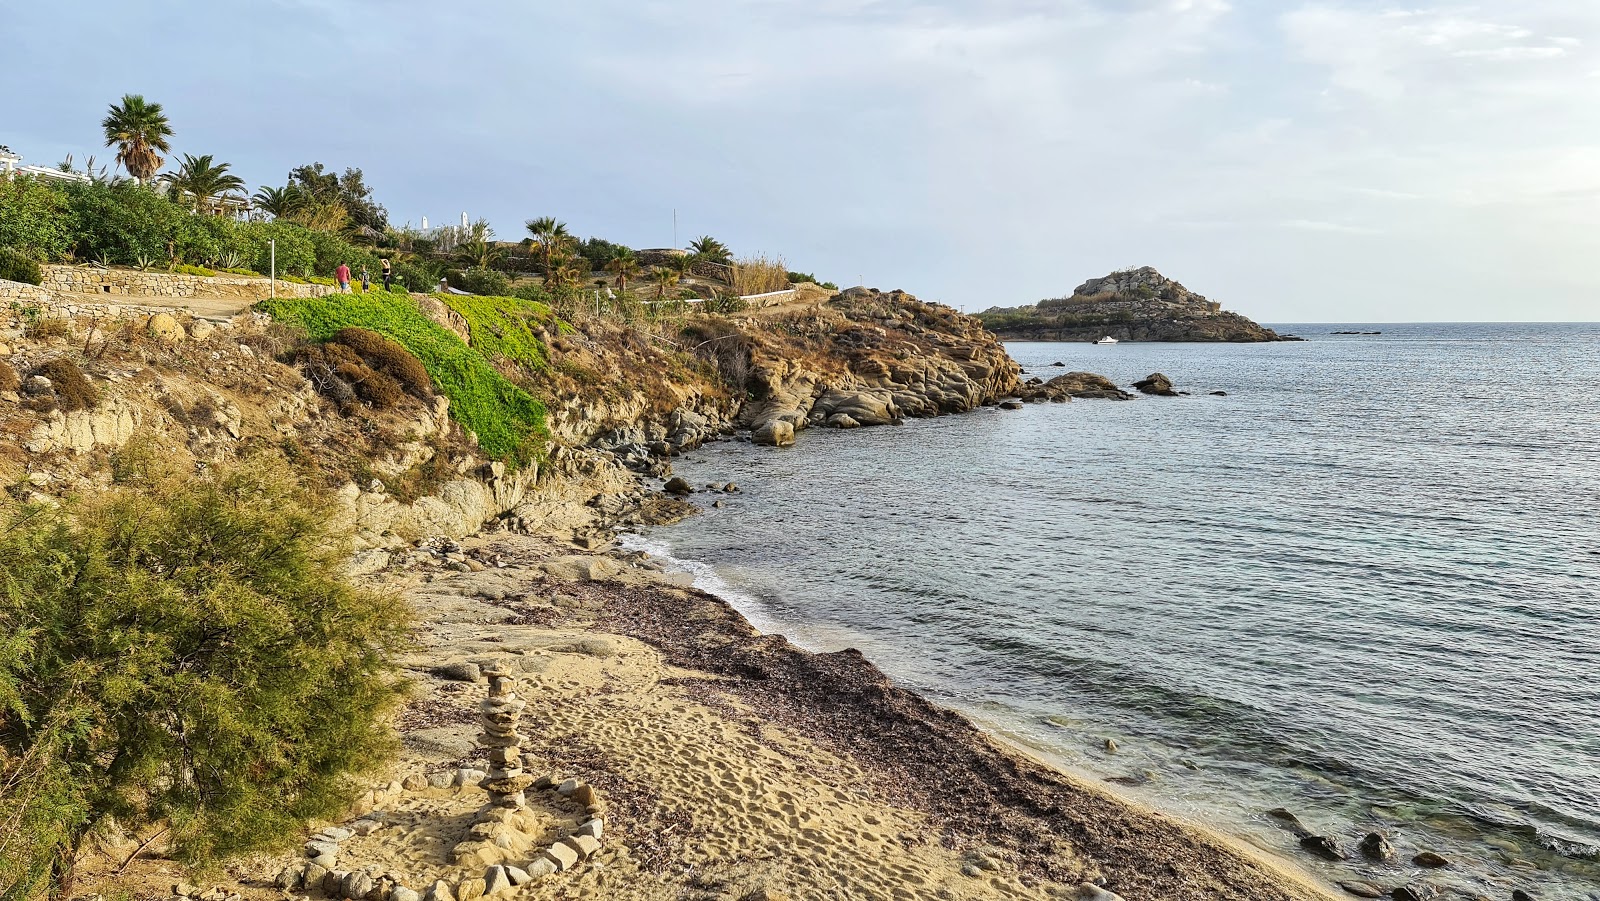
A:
[564,272]
[138,130]
[202,179]
[711,250]
[279,202]
[666,280]
[551,235]
[683,265]
[480,252]
[623,265]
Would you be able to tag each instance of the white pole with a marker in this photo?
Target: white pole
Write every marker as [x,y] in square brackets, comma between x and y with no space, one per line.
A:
[674,228]
[273,243]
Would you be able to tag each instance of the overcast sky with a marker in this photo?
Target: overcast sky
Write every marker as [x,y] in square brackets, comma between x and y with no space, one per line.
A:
[1314,161]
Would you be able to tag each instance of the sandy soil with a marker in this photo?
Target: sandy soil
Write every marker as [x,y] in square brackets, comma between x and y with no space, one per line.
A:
[733,765]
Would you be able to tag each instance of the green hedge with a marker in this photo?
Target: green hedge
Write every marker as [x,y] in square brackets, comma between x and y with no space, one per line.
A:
[509,422]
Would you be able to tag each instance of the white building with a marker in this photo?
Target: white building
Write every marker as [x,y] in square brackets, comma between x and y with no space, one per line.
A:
[11,164]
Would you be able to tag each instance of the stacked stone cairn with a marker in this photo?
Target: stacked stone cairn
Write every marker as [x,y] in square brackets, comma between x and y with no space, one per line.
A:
[506,783]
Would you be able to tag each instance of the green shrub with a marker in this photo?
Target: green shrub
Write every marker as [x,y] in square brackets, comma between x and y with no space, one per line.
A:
[16,266]
[534,292]
[186,269]
[478,280]
[34,218]
[73,390]
[598,252]
[183,652]
[418,275]
[509,422]
[123,222]
[798,277]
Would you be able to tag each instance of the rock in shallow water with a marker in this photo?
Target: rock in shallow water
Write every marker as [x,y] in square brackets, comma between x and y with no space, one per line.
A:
[1155,383]
[1362,889]
[1430,860]
[1376,846]
[1322,846]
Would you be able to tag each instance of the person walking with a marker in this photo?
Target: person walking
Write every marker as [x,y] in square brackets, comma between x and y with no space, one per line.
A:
[342,275]
[366,280]
[388,274]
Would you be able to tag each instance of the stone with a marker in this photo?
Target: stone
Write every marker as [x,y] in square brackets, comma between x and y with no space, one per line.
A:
[512,785]
[439,891]
[467,776]
[541,868]
[1155,383]
[1322,846]
[1219,394]
[1410,893]
[563,856]
[333,883]
[441,779]
[315,876]
[517,875]
[200,329]
[164,328]
[1520,895]
[1091,892]
[585,845]
[566,788]
[1011,405]
[1430,860]
[366,826]
[1290,821]
[775,433]
[595,827]
[318,849]
[1376,846]
[401,893]
[36,384]
[333,834]
[496,881]
[584,794]
[1111,745]
[1362,889]
[470,889]
[356,885]
[415,782]
[971,871]
[290,877]
[325,861]
[460,671]
[678,485]
[731,488]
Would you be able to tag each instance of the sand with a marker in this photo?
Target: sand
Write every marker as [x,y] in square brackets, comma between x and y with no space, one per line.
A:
[732,765]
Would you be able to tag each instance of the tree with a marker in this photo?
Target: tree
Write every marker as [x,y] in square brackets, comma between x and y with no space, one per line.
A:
[551,236]
[711,250]
[279,202]
[139,130]
[624,265]
[323,190]
[201,179]
[564,273]
[666,280]
[683,264]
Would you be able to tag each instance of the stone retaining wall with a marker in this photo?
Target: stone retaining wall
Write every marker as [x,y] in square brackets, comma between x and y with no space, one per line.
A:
[134,283]
[20,292]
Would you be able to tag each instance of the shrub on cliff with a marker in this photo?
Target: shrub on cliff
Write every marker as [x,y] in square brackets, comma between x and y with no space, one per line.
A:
[73,391]
[508,421]
[16,266]
[185,653]
[507,327]
[390,358]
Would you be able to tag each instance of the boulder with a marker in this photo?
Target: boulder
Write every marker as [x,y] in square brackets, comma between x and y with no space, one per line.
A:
[459,671]
[775,433]
[200,329]
[1323,846]
[1376,846]
[843,421]
[679,486]
[1410,893]
[439,891]
[1289,821]
[1362,889]
[1011,405]
[1157,384]
[164,328]
[1088,386]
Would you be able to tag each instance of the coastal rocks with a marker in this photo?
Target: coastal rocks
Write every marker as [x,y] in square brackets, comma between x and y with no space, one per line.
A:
[1411,893]
[1091,892]
[1011,405]
[1088,385]
[1430,860]
[1376,847]
[1323,846]
[1362,889]
[677,485]
[775,433]
[1289,821]
[1157,384]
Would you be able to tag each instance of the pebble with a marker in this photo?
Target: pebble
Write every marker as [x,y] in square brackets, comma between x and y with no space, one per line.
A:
[593,828]
[441,779]
[401,893]
[1111,745]
[584,794]
[356,885]
[333,834]
[315,873]
[541,868]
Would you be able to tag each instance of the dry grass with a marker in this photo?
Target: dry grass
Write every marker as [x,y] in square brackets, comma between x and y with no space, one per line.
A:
[759,275]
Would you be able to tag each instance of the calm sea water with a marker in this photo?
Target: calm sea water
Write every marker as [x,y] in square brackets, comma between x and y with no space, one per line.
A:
[1364,586]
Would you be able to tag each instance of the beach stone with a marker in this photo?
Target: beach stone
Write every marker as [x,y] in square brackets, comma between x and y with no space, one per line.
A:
[1155,383]
[441,779]
[594,827]
[313,877]
[466,776]
[584,794]
[415,782]
[184,889]
[1111,745]
[460,671]
[1011,405]
[971,871]
[1411,893]
[544,782]
[333,834]
[1430,860]
[470,889]
[1091,892]
[679,485]
[332,882]
[564,858]
[1322,846]
[1362,889]
[1290,821]
[775,433]
[401,893]
[356,885]
[366,826]
[439,891]
[496,881]
[1520,895]
[290,877]
[1376,846]
[517,875]
[320,849]
[325,861]
[541,868]
[568,787]
[585,845]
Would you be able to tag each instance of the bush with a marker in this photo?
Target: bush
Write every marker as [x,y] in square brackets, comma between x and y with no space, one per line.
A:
[390,358]
[505,327]
[72,390]
[478,280]
[509,422]
[418,275]
[186,269]
[759,275]
[34,218]
[796,278]
[341,374]
[598,252]
[122,223]
[533,292]
[182,652]
[17,266]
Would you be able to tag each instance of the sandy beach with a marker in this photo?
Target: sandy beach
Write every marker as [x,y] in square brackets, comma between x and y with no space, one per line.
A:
[734,765]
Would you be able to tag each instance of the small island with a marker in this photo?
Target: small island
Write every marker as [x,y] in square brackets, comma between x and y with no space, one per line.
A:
[1130,305]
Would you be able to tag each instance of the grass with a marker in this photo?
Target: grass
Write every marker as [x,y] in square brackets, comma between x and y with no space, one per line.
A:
[186,269]
[504,327]
[759,275]
[509,422]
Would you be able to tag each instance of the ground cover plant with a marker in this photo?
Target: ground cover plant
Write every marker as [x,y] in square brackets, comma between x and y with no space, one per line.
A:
[508,421]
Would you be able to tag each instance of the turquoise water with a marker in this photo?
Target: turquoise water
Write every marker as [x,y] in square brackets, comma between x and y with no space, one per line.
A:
[1364,586]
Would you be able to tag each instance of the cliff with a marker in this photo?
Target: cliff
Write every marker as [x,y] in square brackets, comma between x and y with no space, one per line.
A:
[1131,305]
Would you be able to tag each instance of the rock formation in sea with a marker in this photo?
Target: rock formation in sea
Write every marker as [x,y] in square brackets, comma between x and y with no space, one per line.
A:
[1130,305]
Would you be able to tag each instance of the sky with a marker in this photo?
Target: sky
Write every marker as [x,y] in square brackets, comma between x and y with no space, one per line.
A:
[1299,162]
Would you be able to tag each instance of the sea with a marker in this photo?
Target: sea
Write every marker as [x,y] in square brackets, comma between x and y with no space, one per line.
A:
[1362,584]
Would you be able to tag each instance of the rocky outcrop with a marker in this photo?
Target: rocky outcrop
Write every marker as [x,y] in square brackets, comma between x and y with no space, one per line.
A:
[1130,305]
[874,358]
[1157,384]
[1083,385]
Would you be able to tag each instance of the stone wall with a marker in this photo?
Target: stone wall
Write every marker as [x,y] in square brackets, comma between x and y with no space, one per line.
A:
[19,292]
[134,283]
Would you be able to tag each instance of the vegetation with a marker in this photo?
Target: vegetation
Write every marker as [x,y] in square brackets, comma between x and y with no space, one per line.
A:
[73,390]
[139,130]
[759,275]
[482,280]
[598,252]
[624,265]
[199,179]
[8,377]
[552,238]
[711,250]
[509,422]
[800,277]
[16,266]
[33,218]
[181,651]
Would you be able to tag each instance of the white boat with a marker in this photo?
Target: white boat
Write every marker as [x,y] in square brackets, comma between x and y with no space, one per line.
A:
[1107,340]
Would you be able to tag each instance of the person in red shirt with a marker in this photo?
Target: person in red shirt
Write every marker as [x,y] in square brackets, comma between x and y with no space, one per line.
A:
[343,276]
